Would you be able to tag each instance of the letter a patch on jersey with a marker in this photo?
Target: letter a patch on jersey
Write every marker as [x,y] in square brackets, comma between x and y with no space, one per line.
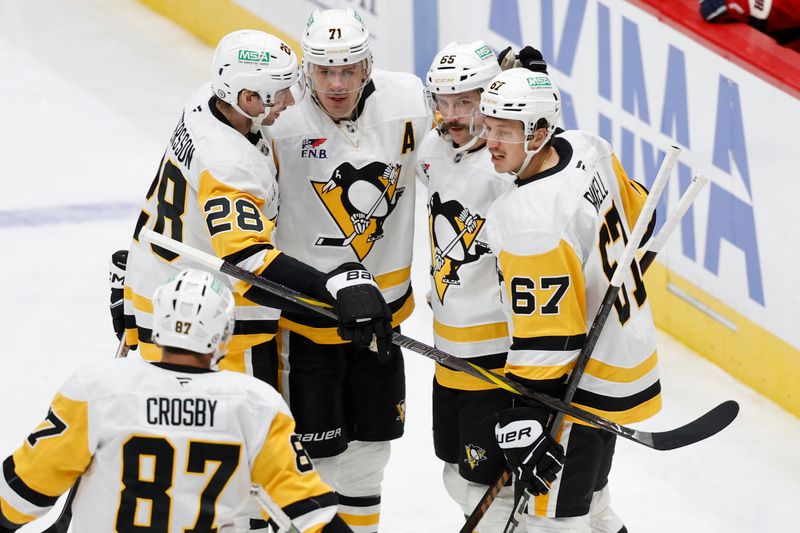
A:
[453,231]
[359,200]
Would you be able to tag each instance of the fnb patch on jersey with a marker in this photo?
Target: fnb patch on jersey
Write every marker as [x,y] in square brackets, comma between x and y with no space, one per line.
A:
[310,148]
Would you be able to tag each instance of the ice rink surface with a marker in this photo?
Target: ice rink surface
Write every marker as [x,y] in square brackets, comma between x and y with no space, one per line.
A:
[91,91]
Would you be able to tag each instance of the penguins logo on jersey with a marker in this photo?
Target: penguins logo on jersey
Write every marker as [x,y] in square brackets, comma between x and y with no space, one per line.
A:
[475,454]
[401,411]
[359,200]
[453,230]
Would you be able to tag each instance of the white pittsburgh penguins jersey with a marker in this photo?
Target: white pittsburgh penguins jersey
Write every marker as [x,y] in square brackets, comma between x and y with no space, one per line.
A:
[468,319]
[162,448]
[557,237]
[348,189]
[215,191]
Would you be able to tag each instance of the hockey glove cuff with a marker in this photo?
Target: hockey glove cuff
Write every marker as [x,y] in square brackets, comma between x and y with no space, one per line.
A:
[116,279]
[533,456]
[360,308]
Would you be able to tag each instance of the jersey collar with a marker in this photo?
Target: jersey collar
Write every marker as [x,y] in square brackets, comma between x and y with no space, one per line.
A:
[252,137]
[182,368]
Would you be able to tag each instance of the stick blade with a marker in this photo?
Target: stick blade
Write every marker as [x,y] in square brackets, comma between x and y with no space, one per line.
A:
[330,241]
[699,429]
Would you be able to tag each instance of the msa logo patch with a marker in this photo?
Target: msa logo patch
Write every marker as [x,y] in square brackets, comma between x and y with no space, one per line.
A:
[475,454]
[252,56]
[539,81]
[483,51]
[310,149]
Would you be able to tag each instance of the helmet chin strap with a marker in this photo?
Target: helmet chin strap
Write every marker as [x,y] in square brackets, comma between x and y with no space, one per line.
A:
[530,153]
[255,121]
[445,135]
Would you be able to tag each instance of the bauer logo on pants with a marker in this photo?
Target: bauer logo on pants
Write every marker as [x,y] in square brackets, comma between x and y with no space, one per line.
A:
[359,200]
[453,231]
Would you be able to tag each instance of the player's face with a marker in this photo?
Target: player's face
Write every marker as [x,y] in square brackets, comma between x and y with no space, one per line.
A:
[505,140]
[455,111]
[338,88]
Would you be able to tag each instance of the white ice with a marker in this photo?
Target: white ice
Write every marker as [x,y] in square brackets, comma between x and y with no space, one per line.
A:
[90,92]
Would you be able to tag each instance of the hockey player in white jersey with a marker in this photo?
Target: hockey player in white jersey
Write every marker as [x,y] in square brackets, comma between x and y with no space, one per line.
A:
[557,237]
[215,190]
[346,159]
[465,297]
[170,446]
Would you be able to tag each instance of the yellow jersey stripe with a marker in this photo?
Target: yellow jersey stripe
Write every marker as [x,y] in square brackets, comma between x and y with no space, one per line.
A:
[454,379]
[620,374]
[469,334]
[330,335]
[536,373]
[13,515]
[632,198]
[393,279]
[360,520]
[140,302]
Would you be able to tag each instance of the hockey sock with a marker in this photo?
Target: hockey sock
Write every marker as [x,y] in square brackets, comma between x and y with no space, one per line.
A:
[362,514]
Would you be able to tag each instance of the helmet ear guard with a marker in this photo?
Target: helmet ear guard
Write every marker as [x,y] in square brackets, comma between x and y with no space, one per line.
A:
[193,311]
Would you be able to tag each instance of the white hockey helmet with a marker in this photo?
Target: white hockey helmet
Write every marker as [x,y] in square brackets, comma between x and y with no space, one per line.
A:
[461,67]
[335,37]
[193,311]
[523,95]
[255,61]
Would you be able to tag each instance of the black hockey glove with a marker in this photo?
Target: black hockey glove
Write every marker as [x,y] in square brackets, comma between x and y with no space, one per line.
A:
[531,59]
[533,456]
[116,278]
[360,307]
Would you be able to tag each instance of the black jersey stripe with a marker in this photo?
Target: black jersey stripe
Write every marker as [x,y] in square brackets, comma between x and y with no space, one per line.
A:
[22,489]
[309,505]
[612,404]
[247,253]
[255,327]
[361,501]
[551,343]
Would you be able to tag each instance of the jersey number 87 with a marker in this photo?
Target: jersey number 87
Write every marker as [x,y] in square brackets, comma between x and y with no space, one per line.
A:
[153,485]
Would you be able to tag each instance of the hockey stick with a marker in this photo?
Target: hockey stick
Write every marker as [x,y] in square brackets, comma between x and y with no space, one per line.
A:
[275,512]
[652,248]
[61,524]
[707,425]
[345,241]
[451,246]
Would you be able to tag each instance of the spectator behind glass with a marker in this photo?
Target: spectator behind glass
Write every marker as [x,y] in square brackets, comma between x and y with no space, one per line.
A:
[780,19]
